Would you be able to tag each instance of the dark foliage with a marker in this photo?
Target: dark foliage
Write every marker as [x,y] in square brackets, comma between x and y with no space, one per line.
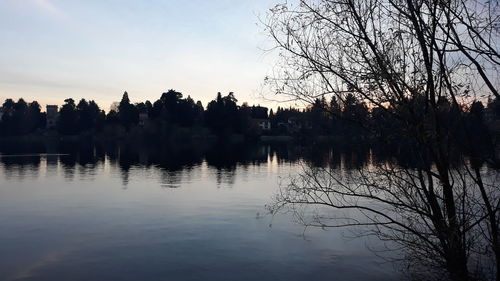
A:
[345,119]
[20,118]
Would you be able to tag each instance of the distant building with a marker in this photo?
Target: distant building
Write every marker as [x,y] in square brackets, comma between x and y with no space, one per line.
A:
[295,125]
[143,119]
[264,124]
[52,115]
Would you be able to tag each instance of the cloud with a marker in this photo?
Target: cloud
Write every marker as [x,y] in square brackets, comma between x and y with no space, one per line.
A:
[51,9]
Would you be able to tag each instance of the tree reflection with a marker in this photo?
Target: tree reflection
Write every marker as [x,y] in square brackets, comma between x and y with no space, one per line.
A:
[179,159]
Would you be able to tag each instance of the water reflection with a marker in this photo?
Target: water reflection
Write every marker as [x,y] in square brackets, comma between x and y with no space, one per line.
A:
[82,160]
[188,213]
[185,207]
[26,158]
[221,156]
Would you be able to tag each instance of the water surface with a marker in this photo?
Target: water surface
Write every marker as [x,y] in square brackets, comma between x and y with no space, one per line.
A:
[128,212]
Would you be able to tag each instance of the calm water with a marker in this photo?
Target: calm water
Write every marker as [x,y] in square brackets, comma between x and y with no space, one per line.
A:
[108,212]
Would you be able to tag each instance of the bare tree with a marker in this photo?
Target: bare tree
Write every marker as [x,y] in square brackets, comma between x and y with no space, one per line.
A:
[404,57]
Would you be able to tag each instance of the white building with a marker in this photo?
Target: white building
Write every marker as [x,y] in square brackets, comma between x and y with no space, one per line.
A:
[264,124]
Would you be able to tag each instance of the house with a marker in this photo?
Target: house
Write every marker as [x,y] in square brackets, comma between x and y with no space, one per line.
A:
[143,119]
[264,124]
[295,125]
[52,115]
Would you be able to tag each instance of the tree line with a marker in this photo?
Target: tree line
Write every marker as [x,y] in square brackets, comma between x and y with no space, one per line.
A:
[222,115]
[344,119]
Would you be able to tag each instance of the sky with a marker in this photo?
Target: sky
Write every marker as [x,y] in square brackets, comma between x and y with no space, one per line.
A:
[51,50]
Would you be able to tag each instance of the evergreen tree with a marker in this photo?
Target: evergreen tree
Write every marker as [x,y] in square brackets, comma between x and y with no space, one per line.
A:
[127,113]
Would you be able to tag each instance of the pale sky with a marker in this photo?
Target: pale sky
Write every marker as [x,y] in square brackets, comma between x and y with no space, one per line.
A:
[97,49]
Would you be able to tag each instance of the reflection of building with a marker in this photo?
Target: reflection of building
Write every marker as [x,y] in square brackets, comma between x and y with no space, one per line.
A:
[264,124]
[52,114]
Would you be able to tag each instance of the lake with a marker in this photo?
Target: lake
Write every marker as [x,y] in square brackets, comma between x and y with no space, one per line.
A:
[82,211]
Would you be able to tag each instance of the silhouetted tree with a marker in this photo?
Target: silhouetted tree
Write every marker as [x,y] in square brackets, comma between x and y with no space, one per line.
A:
[20,118]
[494,108]
[34,119]
[416,61]
[127,112]
[112,117]
[222,114]
[319,116]
[90,116]
[67,124]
